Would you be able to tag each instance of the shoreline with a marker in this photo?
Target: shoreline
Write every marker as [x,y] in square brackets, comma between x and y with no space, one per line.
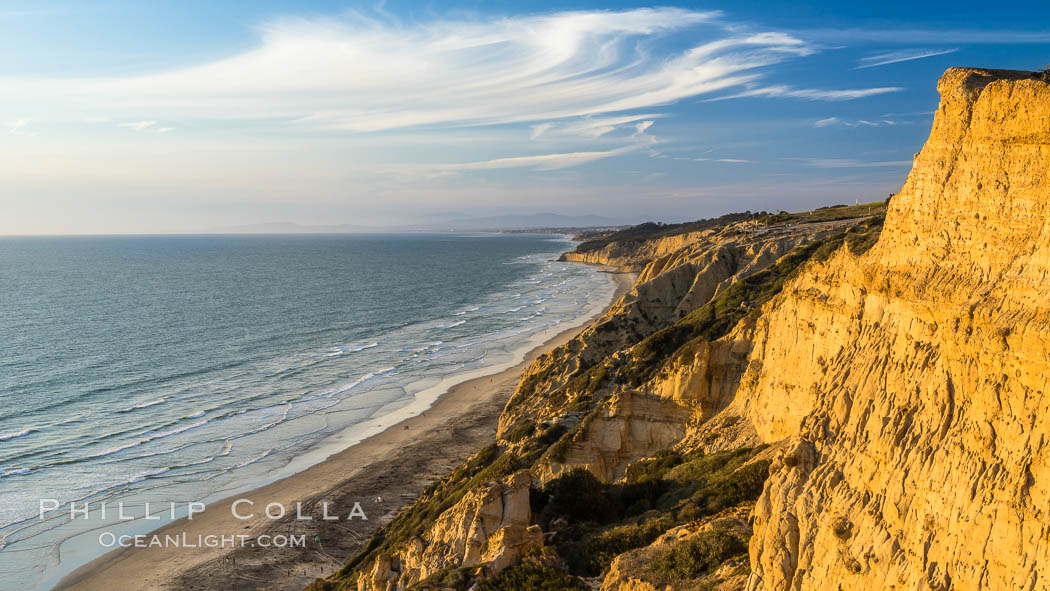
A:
[383,473]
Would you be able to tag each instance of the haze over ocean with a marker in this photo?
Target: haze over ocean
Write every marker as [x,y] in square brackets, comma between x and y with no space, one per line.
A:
[162,368]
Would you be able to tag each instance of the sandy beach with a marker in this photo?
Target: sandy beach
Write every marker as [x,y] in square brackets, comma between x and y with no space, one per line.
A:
[382,474]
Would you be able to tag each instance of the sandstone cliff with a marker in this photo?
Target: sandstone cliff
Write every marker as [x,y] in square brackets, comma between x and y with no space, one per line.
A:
[789,402]
[916,405]
[489,527]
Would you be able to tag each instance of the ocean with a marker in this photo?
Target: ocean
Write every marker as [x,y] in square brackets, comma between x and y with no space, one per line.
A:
[189,368]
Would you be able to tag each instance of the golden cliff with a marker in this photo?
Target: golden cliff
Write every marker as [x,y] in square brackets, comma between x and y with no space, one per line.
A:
[785,402]
[911,381]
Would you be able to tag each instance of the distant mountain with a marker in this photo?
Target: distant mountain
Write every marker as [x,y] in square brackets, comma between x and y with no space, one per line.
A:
[293,228]
[524,222]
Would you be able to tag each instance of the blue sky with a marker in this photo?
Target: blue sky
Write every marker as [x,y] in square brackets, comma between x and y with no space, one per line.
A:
[171,117]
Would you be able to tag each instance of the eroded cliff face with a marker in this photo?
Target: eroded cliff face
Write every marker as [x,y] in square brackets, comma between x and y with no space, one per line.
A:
[668,288]
[885,402]
[911,381]
[490,527]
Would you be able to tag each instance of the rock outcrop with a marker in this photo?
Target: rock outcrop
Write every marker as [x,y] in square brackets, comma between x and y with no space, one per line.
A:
[633,570]
[628,426]
[490,527]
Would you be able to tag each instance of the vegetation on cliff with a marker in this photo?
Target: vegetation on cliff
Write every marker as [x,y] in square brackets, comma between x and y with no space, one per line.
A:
[586,520]
[655,230]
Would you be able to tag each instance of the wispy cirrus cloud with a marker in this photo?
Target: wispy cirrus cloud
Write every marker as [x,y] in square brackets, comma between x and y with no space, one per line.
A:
[364,75]
[838,122]
[596,127]
[909,36]
[903,55]
[137,125]
[539,129]
[849,163]
[827,122]
[812,94]
[145,126]
[18,127]
[540,162]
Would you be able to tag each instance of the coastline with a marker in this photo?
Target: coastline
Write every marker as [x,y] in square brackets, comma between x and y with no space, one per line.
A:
[383,473]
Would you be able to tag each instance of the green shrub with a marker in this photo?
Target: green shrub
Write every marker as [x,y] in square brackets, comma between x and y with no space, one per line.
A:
[528,576]
[654,468]
[520,430]
[550,435]
[657,494]
[589,381]
[579,496]
[713,482]
[744,484]
[592,555]
[698,555]
[862,237]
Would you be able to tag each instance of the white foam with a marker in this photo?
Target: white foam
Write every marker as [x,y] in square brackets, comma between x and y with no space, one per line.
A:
[21,433]
[358,382]
[144,405]
[247,462]
[145,475]
[284,417]
[143,440]
[351,349]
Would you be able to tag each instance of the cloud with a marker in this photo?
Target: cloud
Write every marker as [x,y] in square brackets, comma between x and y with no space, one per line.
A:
[364,75]
[137,125]
[595,127]
[641,126]
[847,163]
[810,93]
[835,121]
[541,162]
[931,36]
[725,160]
[538,129]
[903,55]
[18,127]
[145,126]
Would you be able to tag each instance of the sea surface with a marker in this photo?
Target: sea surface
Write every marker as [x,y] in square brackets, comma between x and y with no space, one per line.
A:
[176,369]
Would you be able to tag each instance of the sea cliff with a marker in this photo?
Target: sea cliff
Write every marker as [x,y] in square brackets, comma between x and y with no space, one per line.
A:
[848,398]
